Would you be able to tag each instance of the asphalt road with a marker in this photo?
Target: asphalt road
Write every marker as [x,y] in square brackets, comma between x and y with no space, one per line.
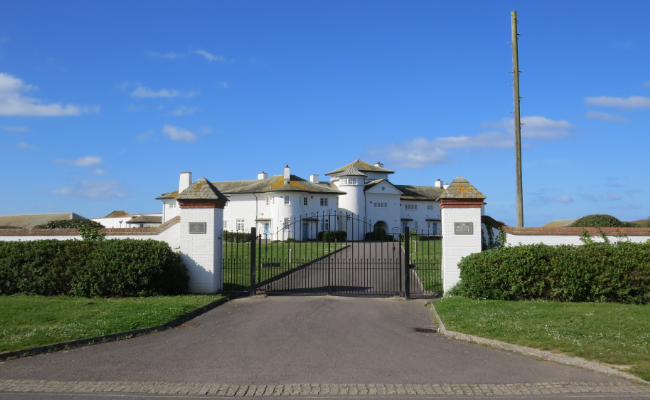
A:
[288,340]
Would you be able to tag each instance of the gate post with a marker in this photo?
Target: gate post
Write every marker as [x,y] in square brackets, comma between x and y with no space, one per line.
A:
[407,264]
[201,208]
[460,209]
[253,264]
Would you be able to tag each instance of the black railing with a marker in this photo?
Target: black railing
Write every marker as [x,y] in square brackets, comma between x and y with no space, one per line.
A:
[332,253]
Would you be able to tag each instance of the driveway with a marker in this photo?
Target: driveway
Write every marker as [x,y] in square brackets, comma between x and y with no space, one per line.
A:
[285,340]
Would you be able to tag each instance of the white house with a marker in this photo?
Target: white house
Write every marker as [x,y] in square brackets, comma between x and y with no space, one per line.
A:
[122,219]
[358,198]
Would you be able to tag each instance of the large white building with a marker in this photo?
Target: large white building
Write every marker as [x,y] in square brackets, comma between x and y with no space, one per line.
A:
[359,197]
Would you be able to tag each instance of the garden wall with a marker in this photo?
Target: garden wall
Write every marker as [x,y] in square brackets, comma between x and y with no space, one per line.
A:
[557,236]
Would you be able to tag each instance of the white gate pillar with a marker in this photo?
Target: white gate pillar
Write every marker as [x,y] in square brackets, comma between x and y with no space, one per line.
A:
[201,207]
[460,209]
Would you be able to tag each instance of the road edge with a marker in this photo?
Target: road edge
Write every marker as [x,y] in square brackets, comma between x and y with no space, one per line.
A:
[529,351]
[113,337]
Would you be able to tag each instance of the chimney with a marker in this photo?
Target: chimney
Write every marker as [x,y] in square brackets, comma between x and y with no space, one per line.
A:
[287,174]
[185,181]
[379,164]
[438,183]
[314,179]
[262,175]
[445,186]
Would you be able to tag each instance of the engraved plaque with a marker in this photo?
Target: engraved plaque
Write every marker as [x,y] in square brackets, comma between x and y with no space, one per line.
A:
[463,228]
[197,227]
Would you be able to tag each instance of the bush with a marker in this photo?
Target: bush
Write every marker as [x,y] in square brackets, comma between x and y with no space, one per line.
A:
[602,221]
[70,224]
[236,237]
[592,272]
[379,234]
[122,268]
[331,236]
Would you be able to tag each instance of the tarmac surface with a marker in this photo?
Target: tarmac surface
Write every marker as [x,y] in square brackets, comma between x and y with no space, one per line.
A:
[295,339]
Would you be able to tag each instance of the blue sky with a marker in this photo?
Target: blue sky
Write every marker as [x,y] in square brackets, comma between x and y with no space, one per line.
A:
[102,103]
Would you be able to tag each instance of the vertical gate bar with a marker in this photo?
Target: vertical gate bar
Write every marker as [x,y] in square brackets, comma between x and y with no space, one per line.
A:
[258,266]
[253,265]
[407,267]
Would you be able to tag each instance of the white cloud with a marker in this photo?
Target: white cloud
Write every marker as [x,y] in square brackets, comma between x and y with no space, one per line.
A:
[630,102]
[590,197]
[144,136]
[16,128]
[536,127]
[647,84]
[98,171]
[223,84]
[606,117]
[144,92]
[420,152]
[170,56]
[561,199]
[92,189]
[23,145]
[205,129]
[613,196]
[211,57]
[182,110]
[82,161]
[179,134]
[12,101]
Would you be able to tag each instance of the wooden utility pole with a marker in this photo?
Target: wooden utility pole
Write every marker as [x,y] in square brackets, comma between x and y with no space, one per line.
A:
[515,75]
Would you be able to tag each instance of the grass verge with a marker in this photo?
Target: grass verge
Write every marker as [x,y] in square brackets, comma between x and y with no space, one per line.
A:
[611,333]
[31,321]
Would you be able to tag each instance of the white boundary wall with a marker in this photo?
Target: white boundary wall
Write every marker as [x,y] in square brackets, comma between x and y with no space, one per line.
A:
[456,246]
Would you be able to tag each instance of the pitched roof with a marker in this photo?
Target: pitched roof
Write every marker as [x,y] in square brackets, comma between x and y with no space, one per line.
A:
[28,221]
[151,219]
[559,223]
[116,214]
[430,193]
[376,182]
[362,166]
[352,172]
[201,189]
[274,183]
[460,188]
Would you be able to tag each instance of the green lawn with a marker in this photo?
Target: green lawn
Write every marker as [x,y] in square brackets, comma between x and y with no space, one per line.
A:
[31,321]
[612,333]
[427,256]
[274,258]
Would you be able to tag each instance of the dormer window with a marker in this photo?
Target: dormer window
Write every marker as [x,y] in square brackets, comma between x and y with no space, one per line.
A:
[352,181]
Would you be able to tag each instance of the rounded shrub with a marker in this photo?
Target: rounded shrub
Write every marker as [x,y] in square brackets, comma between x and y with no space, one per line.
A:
[122,268]
[70,224]
[601,221]
[594,272]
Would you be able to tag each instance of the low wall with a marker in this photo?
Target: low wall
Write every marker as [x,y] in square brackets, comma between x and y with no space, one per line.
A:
[557,236]
[168,232]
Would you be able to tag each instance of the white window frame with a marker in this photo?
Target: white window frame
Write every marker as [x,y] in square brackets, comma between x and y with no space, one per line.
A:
[305,201]
[323,201]
[287,201]
[429,206]
[240,224]
[325,224]
[268,201]
[411,207]
[287,224]
[225,224]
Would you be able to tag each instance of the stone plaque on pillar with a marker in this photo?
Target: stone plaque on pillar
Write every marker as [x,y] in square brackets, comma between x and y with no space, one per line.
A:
[197,227]
[463,228]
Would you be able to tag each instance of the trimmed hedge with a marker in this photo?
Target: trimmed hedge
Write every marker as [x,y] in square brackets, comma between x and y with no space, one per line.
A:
[379,234]
[602,221]
[331,236]
[591,272]
[70,224]
[236,237]
[122,268]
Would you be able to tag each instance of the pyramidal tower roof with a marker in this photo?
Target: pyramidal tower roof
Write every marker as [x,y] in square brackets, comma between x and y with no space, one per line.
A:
[460,188]
[352,172]
[201,189]
[361,166]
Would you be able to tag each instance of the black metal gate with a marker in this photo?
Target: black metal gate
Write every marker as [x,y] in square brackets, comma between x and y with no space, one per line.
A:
[332,253]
